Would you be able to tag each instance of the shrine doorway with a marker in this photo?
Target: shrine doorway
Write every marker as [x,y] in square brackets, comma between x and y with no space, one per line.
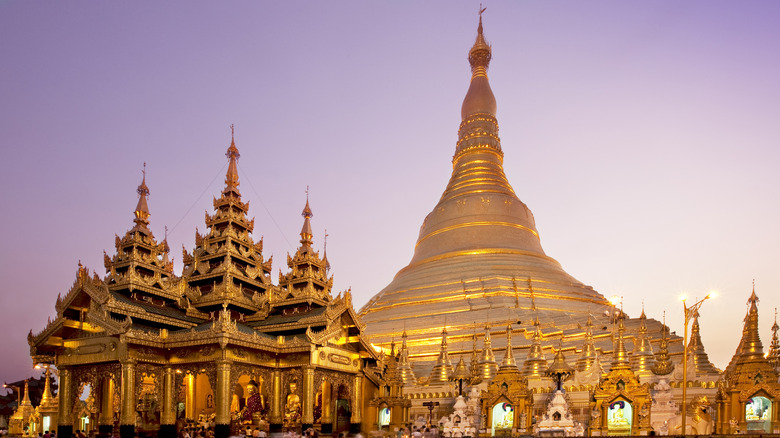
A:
[758,414]
[503,416]
[619,418]
[343,410]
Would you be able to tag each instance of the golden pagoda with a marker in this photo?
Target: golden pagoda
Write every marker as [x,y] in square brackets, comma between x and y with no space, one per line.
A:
[748,398]
[479,259]
[220,344]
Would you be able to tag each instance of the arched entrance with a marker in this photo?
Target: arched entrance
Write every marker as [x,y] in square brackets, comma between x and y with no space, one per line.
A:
[503,419]
[758,414]
[620,415]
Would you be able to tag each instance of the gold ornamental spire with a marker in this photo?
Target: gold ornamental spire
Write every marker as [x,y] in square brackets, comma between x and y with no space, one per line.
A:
[701,360]
[663,363]
[306,232]
[46,397]
[509,361]
[774,348]
[405,370]
[589,353]
[750,348]
[442,370]
[619,355]
[142,209]
[487,363]
[474,364]
[642,357]
[535,364]
[479,99]
[26,399]
[231,179]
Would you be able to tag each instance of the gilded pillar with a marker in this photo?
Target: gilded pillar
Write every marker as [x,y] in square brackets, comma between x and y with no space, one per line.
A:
[189,402]
[168,415]
[106,418]
[65,405]
[357,404]
[222,396]
[327,408]
[307,417]
[276,405]
[127,414]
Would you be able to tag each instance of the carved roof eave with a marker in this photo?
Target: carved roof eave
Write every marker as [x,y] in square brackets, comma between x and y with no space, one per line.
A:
[238,301]
[188,338]
[99,317]
[51,327]
[135,285]
[772,389]
[141,314]
[94,287]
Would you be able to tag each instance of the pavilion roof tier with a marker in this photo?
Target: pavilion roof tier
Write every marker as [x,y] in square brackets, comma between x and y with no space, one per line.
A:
[227,266]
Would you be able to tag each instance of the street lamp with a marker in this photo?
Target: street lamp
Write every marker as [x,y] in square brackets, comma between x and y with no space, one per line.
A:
[688,311]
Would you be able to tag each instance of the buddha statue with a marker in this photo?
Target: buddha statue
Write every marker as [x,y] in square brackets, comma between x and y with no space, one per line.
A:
[292,408]
[255,405]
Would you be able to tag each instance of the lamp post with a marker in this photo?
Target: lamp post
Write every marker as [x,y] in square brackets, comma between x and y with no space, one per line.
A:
[688,312]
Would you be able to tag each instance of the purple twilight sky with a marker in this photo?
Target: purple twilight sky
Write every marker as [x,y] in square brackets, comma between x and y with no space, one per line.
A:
[644,136]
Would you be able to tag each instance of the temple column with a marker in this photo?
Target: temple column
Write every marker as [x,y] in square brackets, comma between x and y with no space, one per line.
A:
[307,417]
[326,423]
[222,396]
[127,414]
[106,418]
[276,406]
[167,416]
[189,397]
[65,406]
[357,401]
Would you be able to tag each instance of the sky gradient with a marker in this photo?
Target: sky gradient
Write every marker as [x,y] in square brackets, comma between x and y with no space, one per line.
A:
[644,136]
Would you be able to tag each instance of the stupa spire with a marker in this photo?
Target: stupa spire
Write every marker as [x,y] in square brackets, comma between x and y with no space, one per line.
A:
[619,355]
[26,399]
[487,363]
[642,357]
[142,208]
[774,348]
[535,364]
[404,367]
[663,363]
[479,99]
[750,347]
[509,361]
[474,365]
[46,397]
[589,353]
[231,179]
[701,362]
[442,370]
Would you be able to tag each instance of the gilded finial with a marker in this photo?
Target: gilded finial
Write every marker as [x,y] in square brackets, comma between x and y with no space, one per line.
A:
[231,179]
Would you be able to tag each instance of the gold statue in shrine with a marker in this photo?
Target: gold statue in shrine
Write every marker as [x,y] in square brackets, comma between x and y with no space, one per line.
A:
[292,409]
[255,407]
